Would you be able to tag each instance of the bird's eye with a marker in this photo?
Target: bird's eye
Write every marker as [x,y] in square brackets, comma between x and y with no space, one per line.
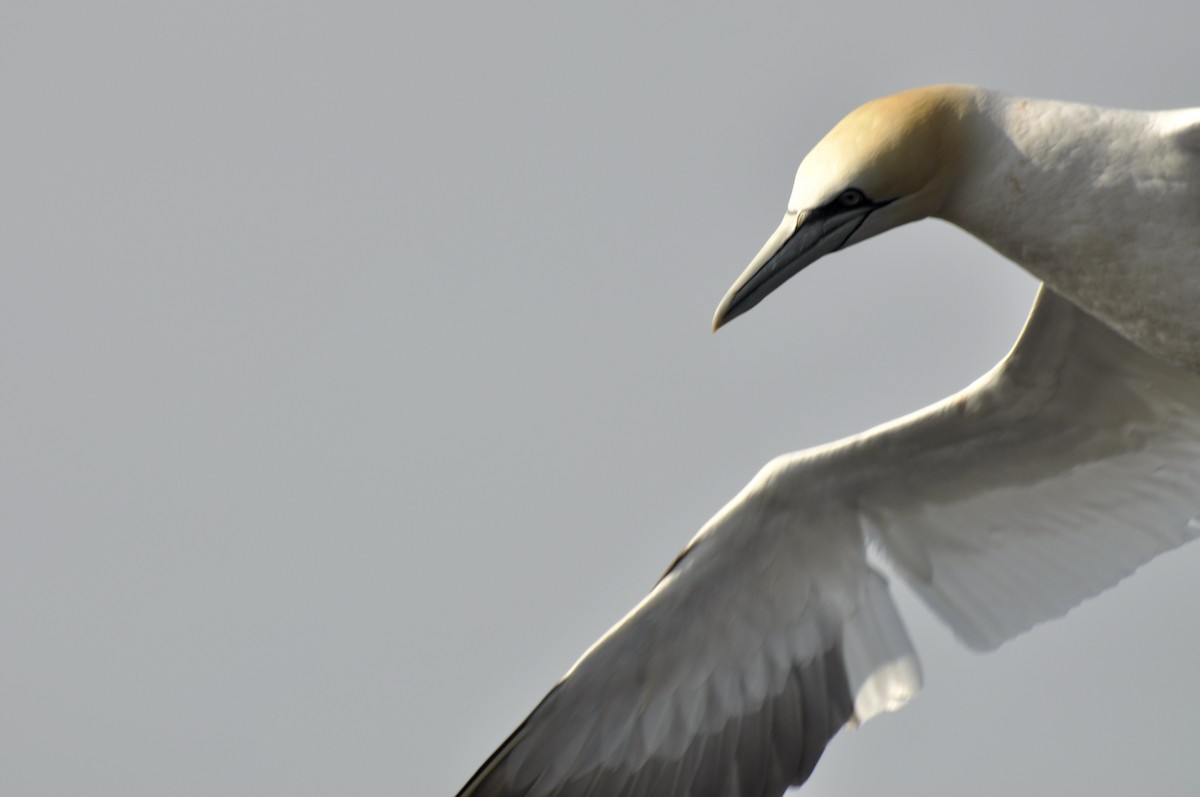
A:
[851,197]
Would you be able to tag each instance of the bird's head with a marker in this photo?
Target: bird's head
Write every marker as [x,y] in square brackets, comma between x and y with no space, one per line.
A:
[892,161]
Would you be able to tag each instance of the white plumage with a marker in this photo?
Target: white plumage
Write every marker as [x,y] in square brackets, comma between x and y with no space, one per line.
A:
[1055,475]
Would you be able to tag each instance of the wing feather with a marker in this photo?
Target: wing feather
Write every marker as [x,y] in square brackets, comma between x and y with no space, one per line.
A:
[1073,463]
[729,679]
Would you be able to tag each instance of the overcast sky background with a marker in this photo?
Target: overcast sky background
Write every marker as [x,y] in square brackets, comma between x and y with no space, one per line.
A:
[357,374]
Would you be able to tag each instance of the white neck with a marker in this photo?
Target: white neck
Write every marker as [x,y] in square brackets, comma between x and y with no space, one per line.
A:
[1101,204]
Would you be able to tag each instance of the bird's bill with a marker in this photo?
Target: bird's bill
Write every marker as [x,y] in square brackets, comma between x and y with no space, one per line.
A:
[802,238]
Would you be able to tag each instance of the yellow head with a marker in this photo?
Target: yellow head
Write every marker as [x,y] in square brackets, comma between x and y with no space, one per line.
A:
[889,162]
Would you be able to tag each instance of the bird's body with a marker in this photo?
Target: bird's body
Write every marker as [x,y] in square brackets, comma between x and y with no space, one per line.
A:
[1056,474]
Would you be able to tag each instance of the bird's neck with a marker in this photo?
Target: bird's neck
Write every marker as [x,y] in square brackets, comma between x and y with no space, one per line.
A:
[1044,182]
[1092,201]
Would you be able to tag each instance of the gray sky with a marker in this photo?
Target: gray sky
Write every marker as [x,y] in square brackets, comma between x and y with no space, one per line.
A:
[357,375]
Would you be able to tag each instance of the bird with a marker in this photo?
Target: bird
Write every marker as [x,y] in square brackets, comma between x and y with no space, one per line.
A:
[1056,474]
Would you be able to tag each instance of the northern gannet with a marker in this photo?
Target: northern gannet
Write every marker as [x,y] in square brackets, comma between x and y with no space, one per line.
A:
[1056,474]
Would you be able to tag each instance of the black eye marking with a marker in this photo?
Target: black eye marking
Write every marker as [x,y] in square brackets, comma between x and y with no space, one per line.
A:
[851,198]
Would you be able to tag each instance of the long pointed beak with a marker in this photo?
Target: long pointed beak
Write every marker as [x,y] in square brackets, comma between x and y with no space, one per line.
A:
[802,238]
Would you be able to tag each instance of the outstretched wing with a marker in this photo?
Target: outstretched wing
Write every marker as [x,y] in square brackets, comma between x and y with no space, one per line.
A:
[729,679]
[1075,461]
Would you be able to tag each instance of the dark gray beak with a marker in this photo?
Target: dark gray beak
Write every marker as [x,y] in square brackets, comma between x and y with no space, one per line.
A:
[804,237]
